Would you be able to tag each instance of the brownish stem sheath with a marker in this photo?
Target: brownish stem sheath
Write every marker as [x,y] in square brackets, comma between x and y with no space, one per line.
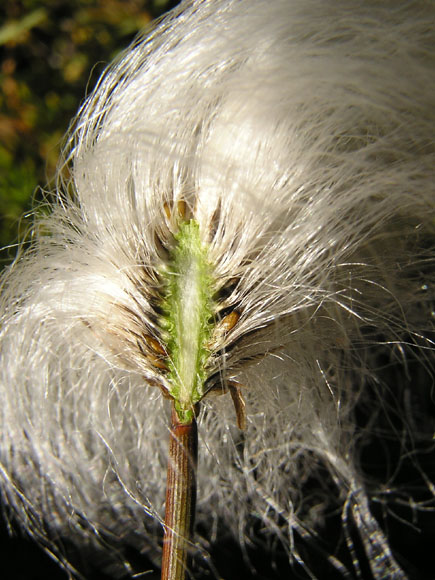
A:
[180,499]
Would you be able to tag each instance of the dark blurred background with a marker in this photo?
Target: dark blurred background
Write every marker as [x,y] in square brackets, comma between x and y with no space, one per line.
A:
[52,52]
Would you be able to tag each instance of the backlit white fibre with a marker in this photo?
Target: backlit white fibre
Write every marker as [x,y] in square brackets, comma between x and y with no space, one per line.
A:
[298,134]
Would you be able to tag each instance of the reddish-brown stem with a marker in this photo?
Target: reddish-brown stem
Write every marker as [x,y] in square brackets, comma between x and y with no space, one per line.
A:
[180,498]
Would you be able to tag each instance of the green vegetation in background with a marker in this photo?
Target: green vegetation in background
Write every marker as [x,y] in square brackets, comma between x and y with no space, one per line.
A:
[51,54]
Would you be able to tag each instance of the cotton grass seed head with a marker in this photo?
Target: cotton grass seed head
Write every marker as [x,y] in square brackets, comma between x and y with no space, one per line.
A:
[250,202]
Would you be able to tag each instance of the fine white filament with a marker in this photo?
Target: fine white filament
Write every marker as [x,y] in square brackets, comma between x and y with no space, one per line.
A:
[299,135]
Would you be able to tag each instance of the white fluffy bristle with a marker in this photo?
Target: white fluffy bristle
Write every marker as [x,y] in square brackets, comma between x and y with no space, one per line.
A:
[299,135]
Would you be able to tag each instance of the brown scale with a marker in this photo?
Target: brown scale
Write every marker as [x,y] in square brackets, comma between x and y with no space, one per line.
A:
[157,362]
[227,323]
[224,325]
[239,403]
[179,210]
[155,354]
[235,390]
[155,345]
[152,382]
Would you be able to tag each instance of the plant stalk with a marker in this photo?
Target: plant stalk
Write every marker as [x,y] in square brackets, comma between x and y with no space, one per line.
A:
[180,498]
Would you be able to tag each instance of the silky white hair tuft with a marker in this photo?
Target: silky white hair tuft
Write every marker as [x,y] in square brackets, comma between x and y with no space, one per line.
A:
[299,136]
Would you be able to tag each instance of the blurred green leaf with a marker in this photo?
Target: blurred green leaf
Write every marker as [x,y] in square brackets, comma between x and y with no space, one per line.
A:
[13,30]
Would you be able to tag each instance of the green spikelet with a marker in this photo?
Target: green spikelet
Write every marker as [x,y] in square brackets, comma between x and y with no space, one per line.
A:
[188,315]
